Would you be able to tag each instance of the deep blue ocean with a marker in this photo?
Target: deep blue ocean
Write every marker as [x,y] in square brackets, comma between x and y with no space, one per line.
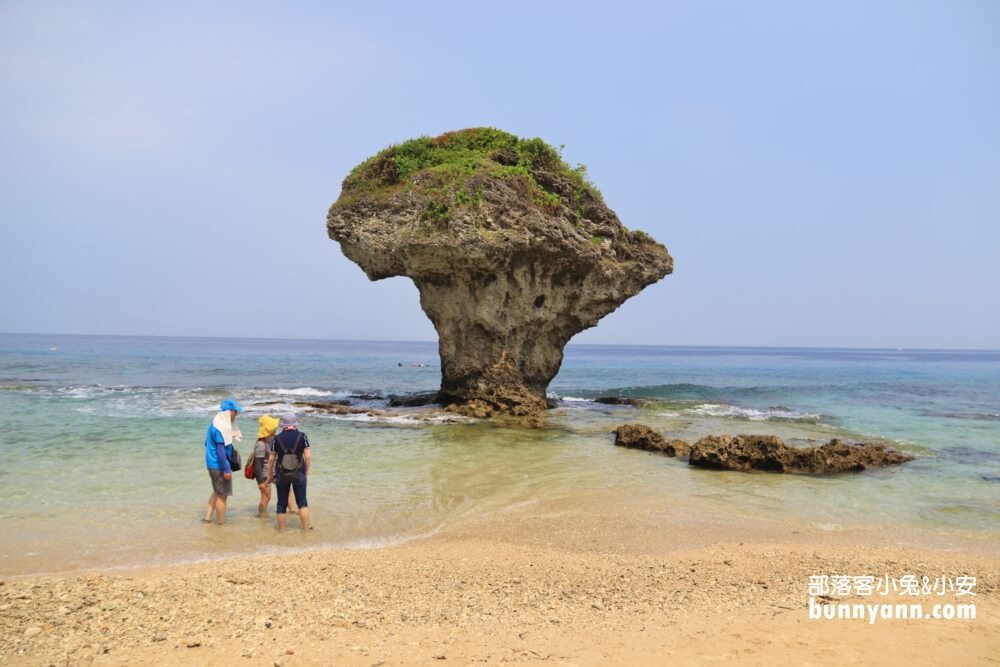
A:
[103,457]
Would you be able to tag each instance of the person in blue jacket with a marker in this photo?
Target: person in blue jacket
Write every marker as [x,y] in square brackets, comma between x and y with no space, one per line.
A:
[218,450]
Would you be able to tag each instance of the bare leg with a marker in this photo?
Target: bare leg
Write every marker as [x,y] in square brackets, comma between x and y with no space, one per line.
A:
[220,510]
[292,506]
[281,521]
[265,498]
[304,516]
[210,508]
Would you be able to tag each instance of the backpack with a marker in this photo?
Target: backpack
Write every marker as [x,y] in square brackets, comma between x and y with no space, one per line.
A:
[290,468]
[234,458]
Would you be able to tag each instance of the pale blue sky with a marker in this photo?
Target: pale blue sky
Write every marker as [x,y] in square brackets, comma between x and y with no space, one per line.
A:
[824,173]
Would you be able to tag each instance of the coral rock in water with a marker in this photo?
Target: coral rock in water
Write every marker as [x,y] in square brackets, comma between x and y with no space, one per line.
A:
[769,453]
[640,436]
[513,253]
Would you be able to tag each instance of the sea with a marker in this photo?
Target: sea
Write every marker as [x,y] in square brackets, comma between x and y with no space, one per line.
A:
[102,460]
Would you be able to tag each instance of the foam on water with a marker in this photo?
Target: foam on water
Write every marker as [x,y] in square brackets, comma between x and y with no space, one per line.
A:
[124,400]
[306,391]
[413,419]
[778,413]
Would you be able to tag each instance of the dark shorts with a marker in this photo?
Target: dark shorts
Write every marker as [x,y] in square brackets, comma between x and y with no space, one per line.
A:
[220,485]
[300,495]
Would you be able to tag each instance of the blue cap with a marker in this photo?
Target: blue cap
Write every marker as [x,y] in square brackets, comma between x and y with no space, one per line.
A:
[230,404]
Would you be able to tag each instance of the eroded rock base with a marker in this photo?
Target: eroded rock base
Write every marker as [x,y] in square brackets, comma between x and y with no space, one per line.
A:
[500,390]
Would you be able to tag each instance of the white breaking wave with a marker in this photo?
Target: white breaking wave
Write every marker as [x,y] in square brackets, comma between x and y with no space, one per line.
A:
[567,399]
[277,408]
[95,391]
[126,401]
[750,414]
[303,391]
[399,419]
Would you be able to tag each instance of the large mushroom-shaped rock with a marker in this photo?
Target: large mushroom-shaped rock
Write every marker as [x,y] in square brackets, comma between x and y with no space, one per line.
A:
[769,453]
[513,253]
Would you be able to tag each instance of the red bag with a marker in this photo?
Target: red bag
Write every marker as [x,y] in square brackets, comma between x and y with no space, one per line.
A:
[248,468]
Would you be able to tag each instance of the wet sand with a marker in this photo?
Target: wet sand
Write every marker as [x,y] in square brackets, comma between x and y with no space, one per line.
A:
[585,584]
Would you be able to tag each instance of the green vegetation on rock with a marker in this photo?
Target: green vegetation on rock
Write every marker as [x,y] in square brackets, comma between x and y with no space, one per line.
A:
[453,169]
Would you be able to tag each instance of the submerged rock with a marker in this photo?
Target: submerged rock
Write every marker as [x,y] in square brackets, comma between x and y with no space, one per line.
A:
[769,453]
[620,400]
[331,407]
[340,401]
[512,251]
[429,414]
[412,400]
[640,436]
[366,397]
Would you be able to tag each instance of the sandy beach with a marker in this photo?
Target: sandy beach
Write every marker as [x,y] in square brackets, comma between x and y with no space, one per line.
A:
[575,585]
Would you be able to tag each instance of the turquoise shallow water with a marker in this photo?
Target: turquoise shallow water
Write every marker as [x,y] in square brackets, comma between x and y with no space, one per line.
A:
[103,458]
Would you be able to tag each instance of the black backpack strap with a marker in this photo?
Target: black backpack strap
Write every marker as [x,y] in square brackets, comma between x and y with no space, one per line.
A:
[284,450]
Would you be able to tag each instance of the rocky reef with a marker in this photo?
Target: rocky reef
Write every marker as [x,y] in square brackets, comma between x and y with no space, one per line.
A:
[769,453]
[621,400]
[513,253]
[640,436]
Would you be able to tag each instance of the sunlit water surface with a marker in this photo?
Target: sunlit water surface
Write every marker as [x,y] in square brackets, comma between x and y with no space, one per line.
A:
[103,456]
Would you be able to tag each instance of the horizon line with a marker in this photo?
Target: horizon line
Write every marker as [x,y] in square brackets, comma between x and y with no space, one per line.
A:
[387,340]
